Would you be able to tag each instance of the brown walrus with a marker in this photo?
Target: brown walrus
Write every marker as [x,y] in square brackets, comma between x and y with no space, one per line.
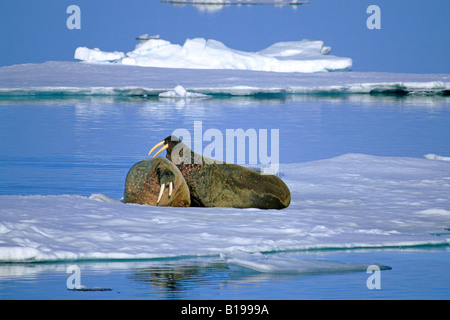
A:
[147,180]
[222,184]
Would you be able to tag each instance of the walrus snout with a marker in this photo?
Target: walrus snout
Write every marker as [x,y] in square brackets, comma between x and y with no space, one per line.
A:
[177,151]
[165,177]
[168,143]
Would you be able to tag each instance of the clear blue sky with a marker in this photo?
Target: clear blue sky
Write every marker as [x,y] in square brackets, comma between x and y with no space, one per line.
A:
[414,34]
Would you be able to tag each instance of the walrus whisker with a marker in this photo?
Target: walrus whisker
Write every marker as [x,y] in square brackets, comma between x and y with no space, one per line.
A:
[161,150]
[161,193]
[170,188]
[156,146]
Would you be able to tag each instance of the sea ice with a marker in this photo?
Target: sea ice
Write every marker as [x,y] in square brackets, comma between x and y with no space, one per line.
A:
[351,201]
[180,92]
[74,78]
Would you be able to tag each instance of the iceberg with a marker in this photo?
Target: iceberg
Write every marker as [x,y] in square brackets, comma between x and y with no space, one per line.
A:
[305,56]
[96,55]
[436,157]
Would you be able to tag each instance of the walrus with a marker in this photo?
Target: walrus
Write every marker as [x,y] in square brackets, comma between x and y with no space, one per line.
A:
[213,184]
[148,179]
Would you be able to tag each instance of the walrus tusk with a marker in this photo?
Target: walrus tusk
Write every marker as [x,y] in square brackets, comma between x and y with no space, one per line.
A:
[156,146]
[170,188]
[160,150]
[161,193]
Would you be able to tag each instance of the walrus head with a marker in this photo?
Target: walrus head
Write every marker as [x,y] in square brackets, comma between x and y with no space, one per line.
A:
[177,151]
[167,144]
[148,179]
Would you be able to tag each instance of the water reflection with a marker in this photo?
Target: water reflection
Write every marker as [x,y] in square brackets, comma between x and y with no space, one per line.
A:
[212,6]
[214,278]
[174,281]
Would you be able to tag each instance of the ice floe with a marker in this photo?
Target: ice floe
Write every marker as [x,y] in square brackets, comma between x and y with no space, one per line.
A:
[348,202]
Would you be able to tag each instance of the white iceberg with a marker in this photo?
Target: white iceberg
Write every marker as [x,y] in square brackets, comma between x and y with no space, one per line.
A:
[432,156]
[304,56]
[96,55]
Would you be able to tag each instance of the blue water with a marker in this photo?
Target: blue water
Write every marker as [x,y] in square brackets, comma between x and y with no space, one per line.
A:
[86,145]
[413,276]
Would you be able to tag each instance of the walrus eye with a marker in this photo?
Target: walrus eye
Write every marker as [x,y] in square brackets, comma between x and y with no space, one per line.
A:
[160,150]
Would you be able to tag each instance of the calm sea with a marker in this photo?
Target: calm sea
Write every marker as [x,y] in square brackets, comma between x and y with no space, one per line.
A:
[86,145]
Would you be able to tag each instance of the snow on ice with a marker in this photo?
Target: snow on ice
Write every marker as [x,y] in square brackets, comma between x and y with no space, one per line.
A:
[74,78]
[351,201]
[294,56]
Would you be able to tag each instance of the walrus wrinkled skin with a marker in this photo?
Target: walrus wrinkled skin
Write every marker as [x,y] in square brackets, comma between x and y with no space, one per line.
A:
[148,179]
[222,184]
